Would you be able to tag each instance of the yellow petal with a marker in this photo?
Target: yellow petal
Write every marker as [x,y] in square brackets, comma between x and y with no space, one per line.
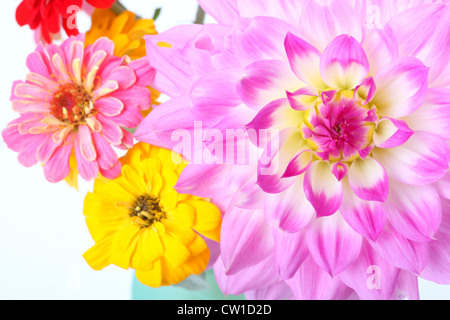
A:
[72,178]
[149,249]
[197,246]
[174,251]
[153,277]
[123,246]
[208,219]
[183,214]
[98,257]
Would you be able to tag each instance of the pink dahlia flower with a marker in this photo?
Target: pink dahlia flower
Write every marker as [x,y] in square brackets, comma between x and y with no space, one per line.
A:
[354,201]
[76,102]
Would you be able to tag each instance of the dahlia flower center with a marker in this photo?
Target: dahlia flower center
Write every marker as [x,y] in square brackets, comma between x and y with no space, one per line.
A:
[71,103]
[146,210]
[340,129]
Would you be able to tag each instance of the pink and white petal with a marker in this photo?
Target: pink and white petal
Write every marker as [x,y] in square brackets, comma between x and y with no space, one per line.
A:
[312,283]
[290,250]
[289,210]
[277,291]
[27,91]
[401,252]
[224,11]
[303,99]
[333,244]
[407,287]
[106,88]
[304,60]
[249,239]
[256,277]
[401,87]
[442,186]
[266,81]
[88,169]
[214,94]
[372,277]
[277,115]
[322,21]
[299,164]
[275,158]
[368,180]
[405,209]
[286,10]
[365,217]
[322,189]
[391,133]
[109,106]
[424,32]
[110,130]
[58,167]
[86,144]
[344,63]
[340,170]
[106,156]
[423,159]
[434,115]
[380,46]
[366,90]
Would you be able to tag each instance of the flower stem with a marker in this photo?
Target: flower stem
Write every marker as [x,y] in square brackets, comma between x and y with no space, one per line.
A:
[118,8]
[200,17]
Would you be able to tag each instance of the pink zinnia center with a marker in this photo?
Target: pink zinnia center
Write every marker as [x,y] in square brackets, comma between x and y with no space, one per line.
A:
[71,103]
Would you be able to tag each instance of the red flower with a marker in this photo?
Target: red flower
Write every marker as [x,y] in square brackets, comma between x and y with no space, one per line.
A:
[48,15]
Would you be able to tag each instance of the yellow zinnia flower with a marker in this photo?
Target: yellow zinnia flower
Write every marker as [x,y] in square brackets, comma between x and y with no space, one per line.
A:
[140,221]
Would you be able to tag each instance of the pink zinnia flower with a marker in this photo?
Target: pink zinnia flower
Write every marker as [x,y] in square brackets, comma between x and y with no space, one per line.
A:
[359,186]
[77,102]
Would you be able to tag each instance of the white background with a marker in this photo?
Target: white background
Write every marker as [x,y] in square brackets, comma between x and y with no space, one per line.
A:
[42,230]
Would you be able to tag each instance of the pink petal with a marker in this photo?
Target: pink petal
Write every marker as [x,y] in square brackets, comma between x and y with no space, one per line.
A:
[145,74]
[312,283]
[289,210]
[277,291]
[110,130]
[249,239]
[109,106]
[401,87]
[304,60]
[422,160]
[322,189]
[344,63]
[405,209]
[299,164]
[290,250]
[222,11]
[303,99]
[57,167]
[106,156]
[136,98]
[365,217]
[366,90]
[380,46]
[266,81]
[369,180]
[391,133]
[407,287]
[124,75]
[88,169]
[333,244]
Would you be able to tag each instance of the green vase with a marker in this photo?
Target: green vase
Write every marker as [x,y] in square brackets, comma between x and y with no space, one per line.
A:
[209,291]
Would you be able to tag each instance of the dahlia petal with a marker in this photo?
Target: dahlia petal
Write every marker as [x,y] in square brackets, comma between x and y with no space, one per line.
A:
[276,115]
[372,277]
[340,170]
[407,287]
[365,217]
[434,115]
[57,167]
[322,189]
[423,159]
[380,46]
[290,250]
[366,90]
[344,63]
[272,164]
[401,252]
[214,94]
[266,81]
[424,32]
[332,243]
[312,283]
[321,22]
[249,239]
[277,291]
[369,180]
[304,60]
[405,209]
[289,210]
[109,106]
[222,11]
[303,99]
[299,164]
[391,133]
[442,186]
[401,87]
[286,10]
[256,277]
